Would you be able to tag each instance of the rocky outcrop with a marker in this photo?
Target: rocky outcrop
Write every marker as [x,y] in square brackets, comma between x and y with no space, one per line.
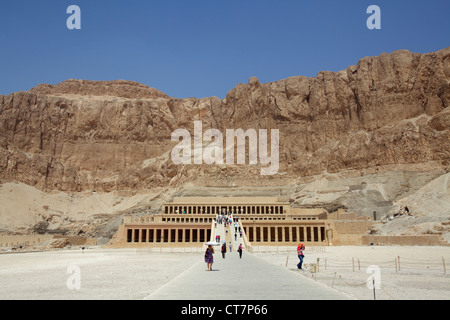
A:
[115,136]
[118,88]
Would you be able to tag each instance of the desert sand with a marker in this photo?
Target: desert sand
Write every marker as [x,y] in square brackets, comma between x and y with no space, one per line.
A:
[130,274]
[418,276]
[104,274]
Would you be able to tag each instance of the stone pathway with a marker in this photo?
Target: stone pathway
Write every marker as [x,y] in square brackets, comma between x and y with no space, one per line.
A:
[249,278]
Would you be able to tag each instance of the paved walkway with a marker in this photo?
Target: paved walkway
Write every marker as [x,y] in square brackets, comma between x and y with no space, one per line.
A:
[249,278]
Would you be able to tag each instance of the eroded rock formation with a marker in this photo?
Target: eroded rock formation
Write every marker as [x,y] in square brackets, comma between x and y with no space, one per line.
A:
[104,136]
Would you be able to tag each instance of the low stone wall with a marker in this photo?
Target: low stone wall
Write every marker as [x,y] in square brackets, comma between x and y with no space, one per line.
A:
[418,240]
[350,232]
[352,226]
[39,241]
[12,241]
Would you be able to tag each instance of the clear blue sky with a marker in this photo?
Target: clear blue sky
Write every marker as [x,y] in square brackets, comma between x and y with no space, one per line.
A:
[202,48]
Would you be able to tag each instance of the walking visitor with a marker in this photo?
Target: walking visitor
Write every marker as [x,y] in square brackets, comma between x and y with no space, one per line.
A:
[300,254]
[209,259]
[224,250]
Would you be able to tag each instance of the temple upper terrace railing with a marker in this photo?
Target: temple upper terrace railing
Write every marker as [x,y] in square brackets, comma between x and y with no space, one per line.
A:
[240,206]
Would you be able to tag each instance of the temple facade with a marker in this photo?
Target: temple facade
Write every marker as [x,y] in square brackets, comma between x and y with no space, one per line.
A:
[190,221]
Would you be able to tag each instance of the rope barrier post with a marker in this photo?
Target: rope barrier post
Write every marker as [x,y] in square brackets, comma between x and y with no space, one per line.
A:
[443,264]
[373,282]
[353,264]
[395,261]
[399,263]
[287,259]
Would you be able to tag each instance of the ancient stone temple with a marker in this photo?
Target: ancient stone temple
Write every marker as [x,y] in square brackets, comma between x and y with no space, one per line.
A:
[190,221]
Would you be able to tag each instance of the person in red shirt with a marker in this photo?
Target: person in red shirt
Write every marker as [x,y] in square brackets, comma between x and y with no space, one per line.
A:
[300,254]
[240,251]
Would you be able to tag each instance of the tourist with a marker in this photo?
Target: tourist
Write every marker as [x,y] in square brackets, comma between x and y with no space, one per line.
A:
[300,254]
[240,251]
[209,259]
[231,246]
[235,236]
[224,250]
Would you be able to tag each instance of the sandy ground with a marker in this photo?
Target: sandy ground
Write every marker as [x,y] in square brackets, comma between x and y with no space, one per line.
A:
[104,274]
[419,274]
[129,274]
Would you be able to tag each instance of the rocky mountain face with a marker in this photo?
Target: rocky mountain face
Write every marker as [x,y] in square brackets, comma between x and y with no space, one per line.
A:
[390,110]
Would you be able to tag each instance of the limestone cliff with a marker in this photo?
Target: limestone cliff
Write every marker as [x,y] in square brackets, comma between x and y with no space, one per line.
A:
[104,136]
